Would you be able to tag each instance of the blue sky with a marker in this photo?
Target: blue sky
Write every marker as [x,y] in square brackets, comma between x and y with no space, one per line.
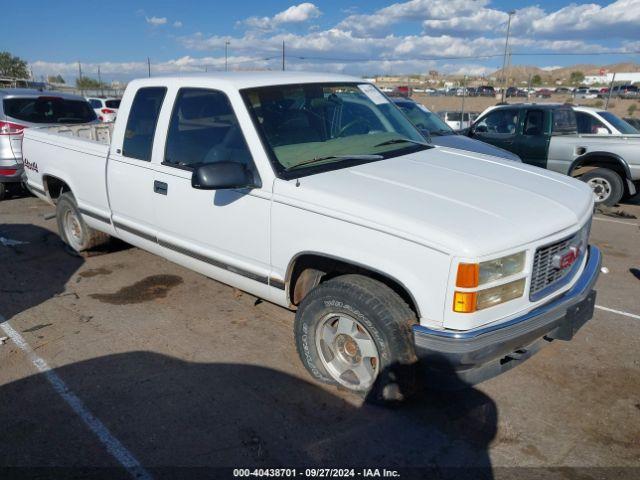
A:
[359,37]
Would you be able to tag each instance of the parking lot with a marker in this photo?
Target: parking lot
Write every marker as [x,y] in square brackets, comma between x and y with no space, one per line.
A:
[156,365]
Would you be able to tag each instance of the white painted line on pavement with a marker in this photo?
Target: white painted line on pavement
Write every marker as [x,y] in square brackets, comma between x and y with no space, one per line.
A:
[610,220]
[112,444]
[619,312]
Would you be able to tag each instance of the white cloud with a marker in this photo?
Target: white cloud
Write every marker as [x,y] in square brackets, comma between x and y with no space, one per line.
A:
[156,21]
[177,24]
[295,14]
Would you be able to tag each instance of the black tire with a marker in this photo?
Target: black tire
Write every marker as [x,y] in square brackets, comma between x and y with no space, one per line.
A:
[386,319]
[607,185]
[3,191]
[84,237]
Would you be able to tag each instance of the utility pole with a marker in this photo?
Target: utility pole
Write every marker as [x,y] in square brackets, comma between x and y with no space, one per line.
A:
[613,79]
[283,55]
[506,46]
[100,82]
[149,67]
[226,55]
[80,78]
[464,93]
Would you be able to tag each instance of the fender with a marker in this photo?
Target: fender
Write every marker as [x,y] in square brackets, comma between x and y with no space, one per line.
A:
[606,156]
[293,261]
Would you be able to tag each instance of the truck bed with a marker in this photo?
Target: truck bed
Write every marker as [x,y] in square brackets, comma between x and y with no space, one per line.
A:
[73,154]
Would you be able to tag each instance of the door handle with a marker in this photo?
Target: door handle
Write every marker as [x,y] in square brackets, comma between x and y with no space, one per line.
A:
[160,187]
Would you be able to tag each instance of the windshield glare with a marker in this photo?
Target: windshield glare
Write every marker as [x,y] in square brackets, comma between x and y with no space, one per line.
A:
[424,119]
[313,124]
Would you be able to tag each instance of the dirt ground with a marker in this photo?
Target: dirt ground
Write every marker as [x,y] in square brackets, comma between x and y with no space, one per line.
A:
[478,104]
[187,374]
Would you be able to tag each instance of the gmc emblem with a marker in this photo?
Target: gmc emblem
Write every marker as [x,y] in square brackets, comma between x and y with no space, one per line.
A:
[560,261]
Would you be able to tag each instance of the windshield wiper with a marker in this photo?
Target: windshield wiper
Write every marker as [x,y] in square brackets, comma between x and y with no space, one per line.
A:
[335,157]
[401,140]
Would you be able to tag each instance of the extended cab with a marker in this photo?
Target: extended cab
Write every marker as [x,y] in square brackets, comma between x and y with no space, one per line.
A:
[545,135]
[315,192]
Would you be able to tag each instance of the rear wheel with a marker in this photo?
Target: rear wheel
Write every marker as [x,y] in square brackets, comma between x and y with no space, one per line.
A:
[607,186]
[73,229]
[355,332]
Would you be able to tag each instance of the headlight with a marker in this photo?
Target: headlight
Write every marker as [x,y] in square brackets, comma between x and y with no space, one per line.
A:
[473,275]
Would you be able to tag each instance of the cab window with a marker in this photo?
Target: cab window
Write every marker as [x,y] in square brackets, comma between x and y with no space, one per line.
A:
[141,124]
[589,124]
[533,122]
[204,129]
[501,121]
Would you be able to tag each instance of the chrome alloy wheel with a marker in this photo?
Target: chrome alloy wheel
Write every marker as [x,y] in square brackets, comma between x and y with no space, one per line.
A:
[601,188]
[347,351]
[73,229]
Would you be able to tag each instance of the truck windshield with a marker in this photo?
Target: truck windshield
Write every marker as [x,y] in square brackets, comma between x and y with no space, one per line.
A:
[49,110]
[312,125]
[424,119]
[620,124]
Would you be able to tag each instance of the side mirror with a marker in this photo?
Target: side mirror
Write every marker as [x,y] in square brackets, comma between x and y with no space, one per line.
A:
[480,129]
[426,134]
[221,176]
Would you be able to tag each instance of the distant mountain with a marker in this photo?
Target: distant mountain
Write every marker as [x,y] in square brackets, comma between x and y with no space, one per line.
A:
[520,73]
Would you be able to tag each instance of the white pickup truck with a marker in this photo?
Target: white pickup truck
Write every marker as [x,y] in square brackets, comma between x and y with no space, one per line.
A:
[315,192]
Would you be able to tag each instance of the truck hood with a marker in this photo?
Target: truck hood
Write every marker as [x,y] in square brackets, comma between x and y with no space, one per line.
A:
[458,202]
[465,143]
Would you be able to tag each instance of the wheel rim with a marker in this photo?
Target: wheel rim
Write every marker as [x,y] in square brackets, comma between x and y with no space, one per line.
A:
[601,188]
[73,229]
[347,351]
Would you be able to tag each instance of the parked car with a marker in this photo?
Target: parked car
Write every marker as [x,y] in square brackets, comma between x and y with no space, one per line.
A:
[25,108]
[455,119]
[316,193]
[586,93]
[601,122]
[106,108]
[486,91]
[546,135]
[634,122]
[562,90]
[402,91]
[624,91]
[543,93]
[436,131]
[515,92]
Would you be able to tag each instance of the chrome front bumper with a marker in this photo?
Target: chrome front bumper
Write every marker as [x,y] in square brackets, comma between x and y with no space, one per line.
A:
[473,356]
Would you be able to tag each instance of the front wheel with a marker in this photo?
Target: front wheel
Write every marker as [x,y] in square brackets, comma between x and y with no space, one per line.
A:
[607,186]
[355,332]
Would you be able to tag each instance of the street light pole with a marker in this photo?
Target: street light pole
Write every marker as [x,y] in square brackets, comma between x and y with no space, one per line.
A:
[504,60]
[226,55]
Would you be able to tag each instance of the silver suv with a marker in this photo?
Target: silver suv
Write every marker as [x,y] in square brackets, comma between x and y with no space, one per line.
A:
[23,108]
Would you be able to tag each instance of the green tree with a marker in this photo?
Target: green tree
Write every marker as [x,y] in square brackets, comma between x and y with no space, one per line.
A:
[87,83]
[632,109]
[576,77]
[13,67]
[536,80]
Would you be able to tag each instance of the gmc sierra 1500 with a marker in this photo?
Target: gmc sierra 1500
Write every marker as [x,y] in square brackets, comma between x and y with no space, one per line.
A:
[315,192]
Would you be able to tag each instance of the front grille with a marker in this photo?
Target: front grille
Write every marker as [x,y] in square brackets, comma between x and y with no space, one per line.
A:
[545,276]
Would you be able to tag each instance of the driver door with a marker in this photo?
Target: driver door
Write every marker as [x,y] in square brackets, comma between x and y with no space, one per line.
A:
[221,233]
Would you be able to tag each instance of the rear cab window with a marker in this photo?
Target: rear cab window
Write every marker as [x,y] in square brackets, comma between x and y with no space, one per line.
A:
[142,121]
[48,109]
[112,103]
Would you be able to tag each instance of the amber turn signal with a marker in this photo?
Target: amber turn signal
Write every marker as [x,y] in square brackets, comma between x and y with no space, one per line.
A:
[468,275]
[465,302]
